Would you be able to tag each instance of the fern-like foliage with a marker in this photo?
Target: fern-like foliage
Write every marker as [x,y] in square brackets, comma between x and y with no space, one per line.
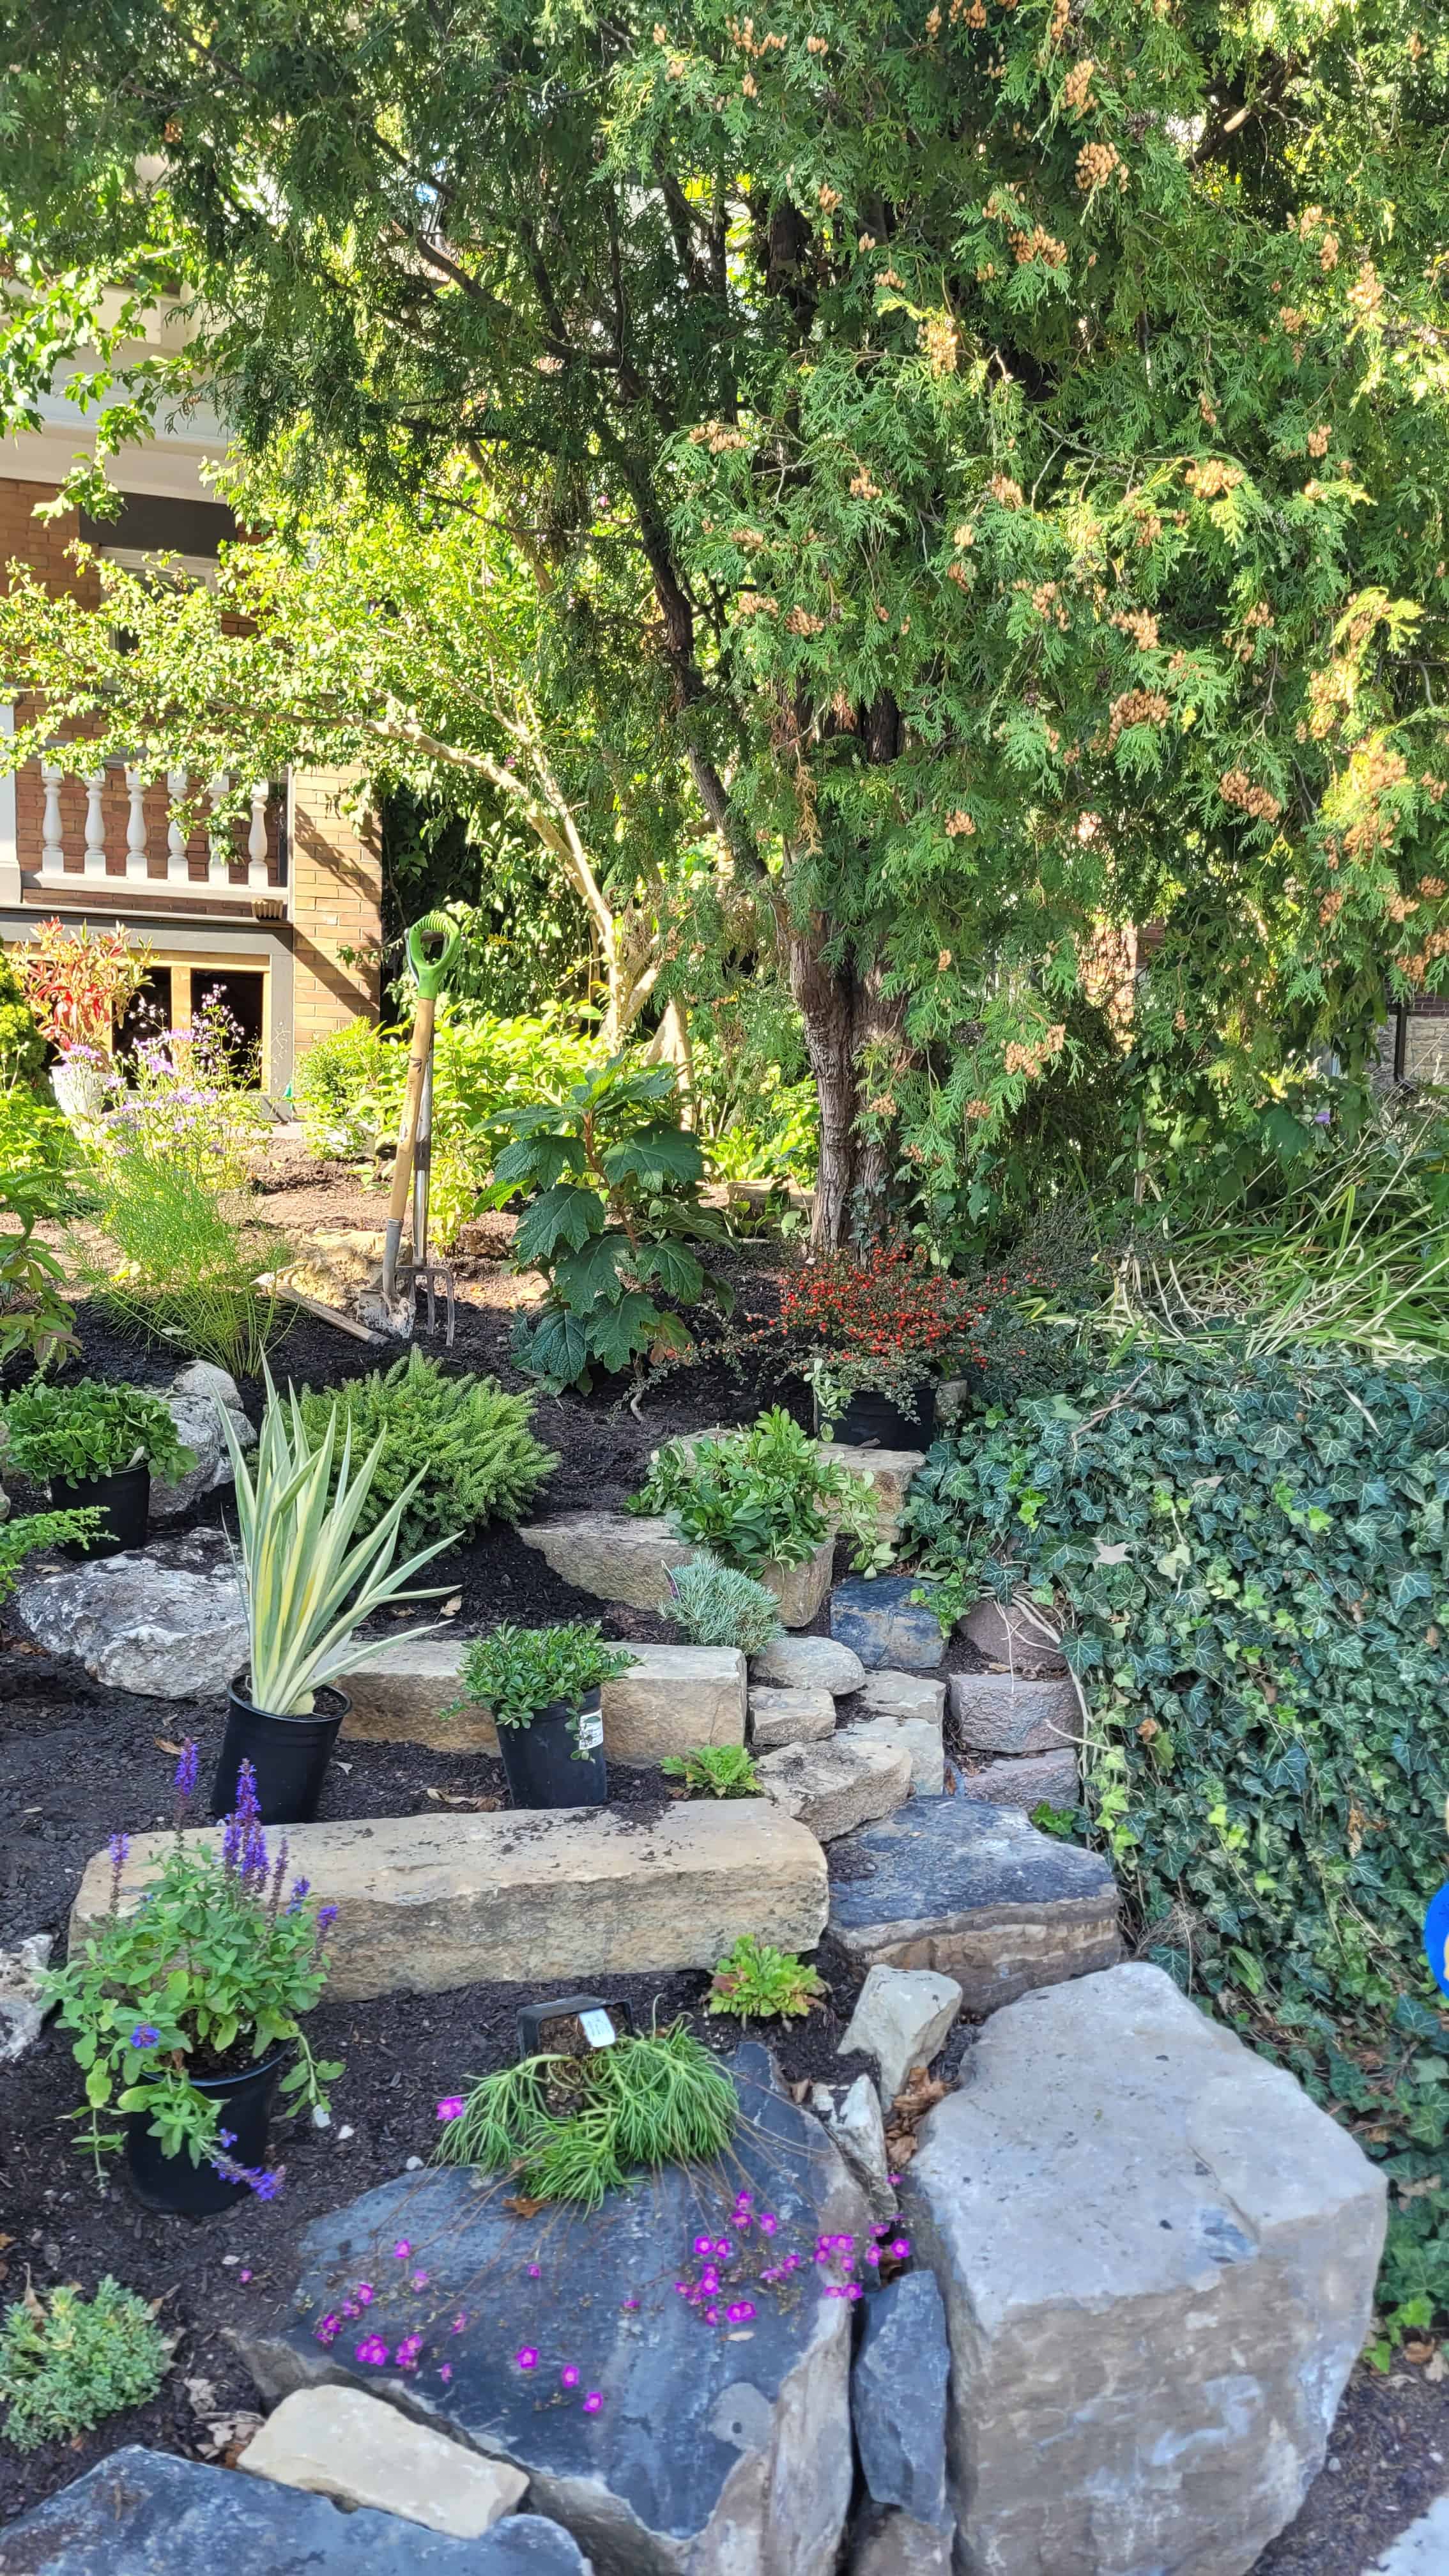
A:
[471,1440]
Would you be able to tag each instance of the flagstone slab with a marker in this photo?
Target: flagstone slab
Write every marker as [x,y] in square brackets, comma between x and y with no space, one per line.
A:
[671,1699]
[620,1557]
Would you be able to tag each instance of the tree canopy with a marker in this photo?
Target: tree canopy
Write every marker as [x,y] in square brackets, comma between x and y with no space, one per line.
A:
[1019,431]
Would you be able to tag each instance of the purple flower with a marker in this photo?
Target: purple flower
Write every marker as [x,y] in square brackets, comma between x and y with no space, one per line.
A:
[145,2035]
[326,1917]
[326,2331]
[900,2246]
[593,2402]
[296,1899]
[408,2350]
[420,2280]
[373,2351]
[447,2371]
[526,2357]
[704,2245]
[184,1775]
[742,2309]
[569,2375]
[402,2249]
[451,2107]
[535,2271]
[364,2294]
[768,2223]
[120,1852]
[460,2321]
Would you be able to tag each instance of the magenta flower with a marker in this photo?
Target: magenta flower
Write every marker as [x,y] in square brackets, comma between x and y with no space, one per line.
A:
[900,2247]
[742,2309]
[326,2331]
[569,2375]
[447,2371]
[402,2249]
[768,2223]
[420,2280]
[593,2402]
[535,2271]
[373,2352]
[526,2357]
[451,2107]
[364,2294]
[459,2321]
[703,2245]
[408,2350]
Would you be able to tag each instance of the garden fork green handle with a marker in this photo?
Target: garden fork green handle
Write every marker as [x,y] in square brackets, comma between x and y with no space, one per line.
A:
[429,973]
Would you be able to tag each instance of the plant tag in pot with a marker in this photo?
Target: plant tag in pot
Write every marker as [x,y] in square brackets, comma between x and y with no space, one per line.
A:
[591,1731]
[598,2030]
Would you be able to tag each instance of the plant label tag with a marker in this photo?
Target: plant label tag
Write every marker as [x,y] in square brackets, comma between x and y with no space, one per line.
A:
[591,1732]
[598,2030]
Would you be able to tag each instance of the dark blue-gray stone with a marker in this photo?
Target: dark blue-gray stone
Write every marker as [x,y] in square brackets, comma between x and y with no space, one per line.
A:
[898,2397]
[884,1626]
[973,1890]
[144,2513]
[717,2448]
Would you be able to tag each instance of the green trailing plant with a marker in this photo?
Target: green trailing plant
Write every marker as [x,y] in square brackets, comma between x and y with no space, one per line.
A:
[208,1973]
[67,2362]
[611,1224]
[517,1672]
[189,1270]
[714,1771]
[30,1532]
[1248,1560]
[575,2128]
[35,1313]
[756,1982]
[762,1496]
[310,1574]
[468,1442]
[717,1605]
[91,1429]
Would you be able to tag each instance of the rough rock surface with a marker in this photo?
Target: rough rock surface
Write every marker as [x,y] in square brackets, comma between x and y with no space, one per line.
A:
[146,2513]
[620,1558]
[167,1624]
[1158,2260]
[917,1738]
[1011,1638]
[429,1902]
[887,2543]
[833,1787]
[953,1883]
[1004,1713]
[852,2114]
[21,2011]
[789,1715]
[1026,1779]
[879,1621]
[345,2443]
[672,1698]
[903,2018]
[191,1400]
[889,1472]
[808,1663]
[903,1697]
[716,2451]
[898,2397]
[1422,2550]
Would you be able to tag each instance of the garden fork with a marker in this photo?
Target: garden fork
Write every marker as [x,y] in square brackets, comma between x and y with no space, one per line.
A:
[401,1280]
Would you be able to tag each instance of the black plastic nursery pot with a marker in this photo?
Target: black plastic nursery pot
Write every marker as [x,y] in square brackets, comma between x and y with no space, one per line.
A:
[539,1761]
[872,1419]
[174,2183]
[123,1499]
[288,1754]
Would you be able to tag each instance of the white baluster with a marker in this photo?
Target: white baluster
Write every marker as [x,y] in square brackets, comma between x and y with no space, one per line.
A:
[136,824]
[95,863]
[52,838]
[218,872]
[177,871]
[257,835]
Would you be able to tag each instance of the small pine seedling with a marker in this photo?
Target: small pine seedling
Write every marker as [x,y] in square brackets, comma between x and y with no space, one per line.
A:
[715,1771]
[67,2363]
[716,1605]
[758,1983]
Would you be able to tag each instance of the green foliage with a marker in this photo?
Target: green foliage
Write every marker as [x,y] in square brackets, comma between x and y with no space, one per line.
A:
[615,1213]
[29,1532]
[714,1771]
[90,1429]
[209,1971]
[516,1672]
[22,1048]
[524,931]
[717,1605]
[190,1272]
[341,1086]
[310,1572]
[35,1316]
[759,1983]
[467,1440]
[1250,1558]
[573,2128]
[67,2362]
[761,1496]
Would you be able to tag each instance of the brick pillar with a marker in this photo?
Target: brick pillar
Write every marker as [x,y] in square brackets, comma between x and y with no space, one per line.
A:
[336,874]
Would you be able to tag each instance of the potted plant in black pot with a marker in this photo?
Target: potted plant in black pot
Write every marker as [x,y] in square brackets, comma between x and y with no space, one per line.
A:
[96,1447]
[187,2012]
[308,1582]
[875,1334]
[542,1687]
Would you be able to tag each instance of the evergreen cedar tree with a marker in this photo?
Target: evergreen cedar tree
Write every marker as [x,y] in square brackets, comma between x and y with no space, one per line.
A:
[1029,422]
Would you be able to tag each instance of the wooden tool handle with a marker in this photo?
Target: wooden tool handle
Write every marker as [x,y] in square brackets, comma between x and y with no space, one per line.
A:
[422,1048]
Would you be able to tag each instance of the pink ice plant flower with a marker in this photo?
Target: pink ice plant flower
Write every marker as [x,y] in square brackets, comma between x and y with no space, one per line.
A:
[372,2352]
[593,2402]
[451,2107]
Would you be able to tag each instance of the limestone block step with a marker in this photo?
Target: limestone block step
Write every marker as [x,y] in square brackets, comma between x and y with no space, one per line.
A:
[426,1903]
[672,1698]
[972,1889]
[1026,1780]
[1006,1713]
[902,1696]
[789,1717]
[620,1558]
[918,1739]
[808,1663]
[340,2442]
[834,1787]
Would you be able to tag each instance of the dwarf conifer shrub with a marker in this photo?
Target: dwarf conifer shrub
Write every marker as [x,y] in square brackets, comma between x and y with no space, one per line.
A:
[469,1440]
[716,1605]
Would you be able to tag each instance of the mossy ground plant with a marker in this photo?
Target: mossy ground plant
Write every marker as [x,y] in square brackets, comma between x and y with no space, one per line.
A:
[67,2362]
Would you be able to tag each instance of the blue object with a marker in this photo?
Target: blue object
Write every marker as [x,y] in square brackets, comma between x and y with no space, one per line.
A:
[1436,1938]
[882,1624]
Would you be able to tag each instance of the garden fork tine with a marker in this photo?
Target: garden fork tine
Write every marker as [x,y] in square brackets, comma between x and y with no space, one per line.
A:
[428,1274]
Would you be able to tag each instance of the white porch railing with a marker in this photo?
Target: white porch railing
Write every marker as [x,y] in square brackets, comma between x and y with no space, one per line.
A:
[109,828]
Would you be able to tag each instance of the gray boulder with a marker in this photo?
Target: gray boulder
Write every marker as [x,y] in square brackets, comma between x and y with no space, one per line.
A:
[192,1400]
[146,2513]
[832,1787]
[1006,1713]
[808,1663]
[880,1622]
[852,2114]
[1012,1637]
[898,2397]
[168,1624]
[1158,2260]
[903,2018]
[21,2010]
[887,2543]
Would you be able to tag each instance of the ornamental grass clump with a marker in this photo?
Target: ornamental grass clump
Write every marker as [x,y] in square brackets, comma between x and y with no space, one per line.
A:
[210,1973]
[67,2362]
[717,1605]
[460,1444]
[574,2128]
[762,1496]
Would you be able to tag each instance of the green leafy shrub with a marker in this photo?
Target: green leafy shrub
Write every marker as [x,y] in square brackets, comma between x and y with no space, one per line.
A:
[761,1496]
[192,1271]
[469,1441]
[35,1314]
[29,1532]
[572,2128]
[22,1048]
[67,2362]
[616,1210]
[516,1672]
[756,1982]
[1249,1558]
[89,1430]
[715,1771]
[33,1135]
[716,1605]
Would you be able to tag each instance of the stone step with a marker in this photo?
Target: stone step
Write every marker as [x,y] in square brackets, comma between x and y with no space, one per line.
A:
[1011,1638]
[1157,2258]
[1006,1713]
[571,1893]
[902,1697]
[808,1663]
[789,1717]
[344,2443]
[835,1786]
[1025,1780]
[879,1621]
[671,1699]
[918,1739]
[973,1889]
[620,1558]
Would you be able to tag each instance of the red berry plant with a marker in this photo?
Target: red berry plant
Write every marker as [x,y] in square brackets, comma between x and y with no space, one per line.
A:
[883,1320]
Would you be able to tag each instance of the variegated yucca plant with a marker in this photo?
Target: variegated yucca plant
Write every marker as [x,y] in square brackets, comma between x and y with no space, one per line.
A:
[308,1580]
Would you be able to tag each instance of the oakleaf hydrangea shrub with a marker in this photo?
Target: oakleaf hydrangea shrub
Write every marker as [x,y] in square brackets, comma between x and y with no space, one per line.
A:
[472,1442]
[67,2362]
[1251,1563]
